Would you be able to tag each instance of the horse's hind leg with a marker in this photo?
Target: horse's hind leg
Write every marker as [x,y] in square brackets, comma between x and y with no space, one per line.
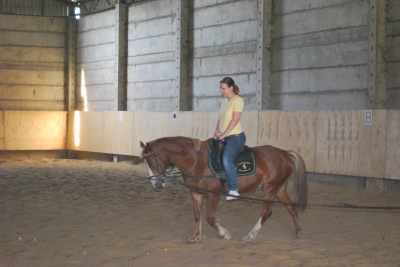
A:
[283,197]
[197,203]
[266,212]
[212,203]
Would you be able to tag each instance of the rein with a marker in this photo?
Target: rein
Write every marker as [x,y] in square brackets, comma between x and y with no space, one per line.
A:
[345,206]
[173,176]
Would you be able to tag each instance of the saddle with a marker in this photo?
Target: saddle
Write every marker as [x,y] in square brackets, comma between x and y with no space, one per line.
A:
[245,164]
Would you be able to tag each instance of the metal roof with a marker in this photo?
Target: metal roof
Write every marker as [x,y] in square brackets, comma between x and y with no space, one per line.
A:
[57,8]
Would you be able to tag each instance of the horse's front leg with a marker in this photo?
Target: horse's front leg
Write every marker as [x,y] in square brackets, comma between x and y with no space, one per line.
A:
[212,203]
[197,203]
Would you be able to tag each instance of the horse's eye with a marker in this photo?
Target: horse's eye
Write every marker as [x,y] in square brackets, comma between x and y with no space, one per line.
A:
[151,164]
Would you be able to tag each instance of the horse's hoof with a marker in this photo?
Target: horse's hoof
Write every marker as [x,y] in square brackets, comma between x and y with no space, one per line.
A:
[298,234]
[246,239]
[193,240]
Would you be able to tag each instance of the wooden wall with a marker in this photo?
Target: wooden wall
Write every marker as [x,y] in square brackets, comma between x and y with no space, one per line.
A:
[331,142]
[33,130]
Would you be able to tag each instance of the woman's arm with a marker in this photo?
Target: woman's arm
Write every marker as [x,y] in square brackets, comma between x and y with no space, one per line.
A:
[235,119]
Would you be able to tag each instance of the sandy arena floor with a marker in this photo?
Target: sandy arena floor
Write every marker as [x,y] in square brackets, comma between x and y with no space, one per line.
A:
[88,213]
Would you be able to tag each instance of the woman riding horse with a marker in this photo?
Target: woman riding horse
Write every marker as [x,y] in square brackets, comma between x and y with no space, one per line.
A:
[274,167]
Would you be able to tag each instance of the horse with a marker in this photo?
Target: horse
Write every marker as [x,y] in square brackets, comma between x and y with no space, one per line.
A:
[274,167]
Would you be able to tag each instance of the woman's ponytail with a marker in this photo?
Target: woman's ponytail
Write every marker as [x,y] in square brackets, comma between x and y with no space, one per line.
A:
[236,89]
[230,82]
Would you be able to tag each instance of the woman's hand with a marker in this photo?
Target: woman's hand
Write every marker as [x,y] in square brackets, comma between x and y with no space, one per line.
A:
[221,137]
[235,120]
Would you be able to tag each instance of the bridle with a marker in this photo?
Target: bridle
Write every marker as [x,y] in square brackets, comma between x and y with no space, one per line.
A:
[168,173]
[160,173]
[157,160]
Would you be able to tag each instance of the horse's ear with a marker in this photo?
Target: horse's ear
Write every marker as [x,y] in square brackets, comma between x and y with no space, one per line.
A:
[141,144]
[197,144]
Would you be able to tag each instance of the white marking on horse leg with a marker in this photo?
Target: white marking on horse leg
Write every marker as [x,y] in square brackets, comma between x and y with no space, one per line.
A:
[223,232]
[199,227]
[252,234]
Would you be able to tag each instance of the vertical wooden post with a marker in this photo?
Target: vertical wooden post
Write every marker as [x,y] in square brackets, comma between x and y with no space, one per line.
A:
[71,50]
[376,93]
[121,55]
[70,98]
[264,23]
[183,95]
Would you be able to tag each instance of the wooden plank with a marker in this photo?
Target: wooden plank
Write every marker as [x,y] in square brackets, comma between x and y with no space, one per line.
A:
[204,124]
[393,145]
[268,128]
[88,131]
[117,133]
[346,146]
[35,130]
[213,117]
[290,130]
[249,122]
[2,130]
[148,126]
[191,124]
[71,130]
[302,139]
[372,145]
[181,125]
[337,142]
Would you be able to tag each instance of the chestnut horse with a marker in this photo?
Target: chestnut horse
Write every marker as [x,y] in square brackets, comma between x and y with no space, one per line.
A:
[274,167]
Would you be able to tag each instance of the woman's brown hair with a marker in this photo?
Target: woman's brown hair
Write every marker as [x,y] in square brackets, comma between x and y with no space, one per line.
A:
[230,82]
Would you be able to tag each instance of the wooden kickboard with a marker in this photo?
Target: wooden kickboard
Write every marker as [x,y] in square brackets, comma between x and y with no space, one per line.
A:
[346,146]
[2,129]
[35,130]
[289,130]
[148,126]
[117,132]
[393,145]
[88,134]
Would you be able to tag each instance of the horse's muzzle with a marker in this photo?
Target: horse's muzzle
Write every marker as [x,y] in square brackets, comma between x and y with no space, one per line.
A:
[158,184]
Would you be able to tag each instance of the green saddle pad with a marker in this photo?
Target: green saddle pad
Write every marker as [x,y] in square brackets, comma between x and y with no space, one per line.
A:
[245,162]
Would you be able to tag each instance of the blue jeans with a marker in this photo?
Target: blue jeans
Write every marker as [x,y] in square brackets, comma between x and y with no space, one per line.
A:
[234,144]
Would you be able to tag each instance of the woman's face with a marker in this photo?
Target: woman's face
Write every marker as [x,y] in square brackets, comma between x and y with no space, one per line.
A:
[226,91]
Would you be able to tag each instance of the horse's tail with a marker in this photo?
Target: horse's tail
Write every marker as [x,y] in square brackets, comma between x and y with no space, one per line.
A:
[300,181]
